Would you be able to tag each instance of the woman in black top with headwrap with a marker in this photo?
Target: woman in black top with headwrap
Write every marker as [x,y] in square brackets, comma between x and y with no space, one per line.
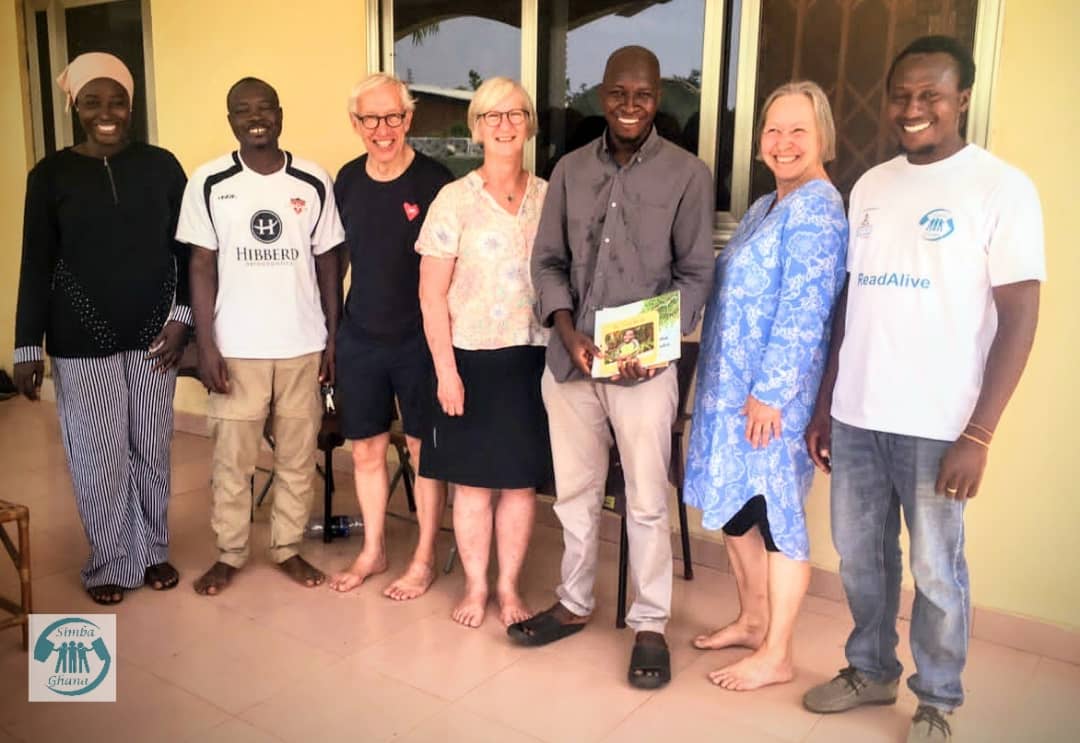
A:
[104,284]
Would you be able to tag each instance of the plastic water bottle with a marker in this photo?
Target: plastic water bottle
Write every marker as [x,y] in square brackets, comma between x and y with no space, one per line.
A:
[340,526]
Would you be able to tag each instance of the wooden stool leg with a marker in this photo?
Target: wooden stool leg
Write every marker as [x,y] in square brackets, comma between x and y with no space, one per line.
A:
[24,577]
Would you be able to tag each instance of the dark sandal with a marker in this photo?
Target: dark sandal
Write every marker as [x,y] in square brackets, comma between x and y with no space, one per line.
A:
[541,629]
[161,577]
[650,666]
[104,594]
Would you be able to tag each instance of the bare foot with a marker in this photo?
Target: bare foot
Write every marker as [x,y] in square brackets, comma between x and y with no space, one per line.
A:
[302,571]
[754,672]
[741,633]
[470,612]
[511,608]
[414,582]
[363,567]
[214,580]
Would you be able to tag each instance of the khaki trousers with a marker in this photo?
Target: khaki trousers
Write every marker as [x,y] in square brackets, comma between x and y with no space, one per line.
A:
[287,389]
[641,415]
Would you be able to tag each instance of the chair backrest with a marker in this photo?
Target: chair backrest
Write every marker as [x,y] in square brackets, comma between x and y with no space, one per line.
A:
[686,367]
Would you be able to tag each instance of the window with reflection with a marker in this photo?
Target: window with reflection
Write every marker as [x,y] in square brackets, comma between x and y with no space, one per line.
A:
[725,132]
[846,46]
[57,31]
[575,39]
[444,50]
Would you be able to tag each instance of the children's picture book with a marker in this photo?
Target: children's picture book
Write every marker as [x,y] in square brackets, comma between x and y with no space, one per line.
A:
[648,330]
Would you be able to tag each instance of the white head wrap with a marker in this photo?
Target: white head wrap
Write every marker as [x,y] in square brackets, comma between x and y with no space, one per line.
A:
[91,66]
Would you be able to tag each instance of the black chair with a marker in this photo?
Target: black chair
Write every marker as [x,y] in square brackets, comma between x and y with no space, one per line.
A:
[406,475]
[616,484]
[329,438]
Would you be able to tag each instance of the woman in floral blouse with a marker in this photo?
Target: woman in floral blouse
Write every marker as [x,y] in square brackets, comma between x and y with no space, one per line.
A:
[489,430]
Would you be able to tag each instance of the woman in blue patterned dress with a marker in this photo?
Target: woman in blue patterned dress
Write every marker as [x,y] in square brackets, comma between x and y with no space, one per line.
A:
[764,345]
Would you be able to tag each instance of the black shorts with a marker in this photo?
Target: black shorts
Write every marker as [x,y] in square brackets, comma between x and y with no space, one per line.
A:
[370,374]
[753,513]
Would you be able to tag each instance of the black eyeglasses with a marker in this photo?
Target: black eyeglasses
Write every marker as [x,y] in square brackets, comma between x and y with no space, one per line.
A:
[514,116]
[371,121]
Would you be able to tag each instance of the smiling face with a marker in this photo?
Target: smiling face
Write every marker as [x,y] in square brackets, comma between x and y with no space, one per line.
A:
[255,116]
[506,139]
[385,144]
[104,113]
[925,106]
[791,142]
[628,335]
[630,96]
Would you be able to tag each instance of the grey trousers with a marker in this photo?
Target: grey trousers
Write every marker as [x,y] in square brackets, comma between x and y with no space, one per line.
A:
[641,416]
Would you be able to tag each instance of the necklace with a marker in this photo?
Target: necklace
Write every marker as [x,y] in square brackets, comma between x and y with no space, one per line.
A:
[512,193]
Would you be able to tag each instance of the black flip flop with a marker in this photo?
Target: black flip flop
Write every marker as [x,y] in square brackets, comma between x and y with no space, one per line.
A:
[162,573]
[541,629]
[104,594]
[650,666]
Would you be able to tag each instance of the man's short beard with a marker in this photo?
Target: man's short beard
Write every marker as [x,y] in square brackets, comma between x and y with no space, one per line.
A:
[925,150]
[617,139]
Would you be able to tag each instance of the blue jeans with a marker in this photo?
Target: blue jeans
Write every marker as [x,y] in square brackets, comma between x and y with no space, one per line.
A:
[874,476]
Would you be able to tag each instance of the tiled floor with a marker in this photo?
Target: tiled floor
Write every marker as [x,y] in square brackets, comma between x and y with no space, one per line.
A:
[269,661]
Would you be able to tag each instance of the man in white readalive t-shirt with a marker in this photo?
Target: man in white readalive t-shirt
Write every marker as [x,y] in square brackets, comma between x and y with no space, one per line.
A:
[944,267]
[264,231]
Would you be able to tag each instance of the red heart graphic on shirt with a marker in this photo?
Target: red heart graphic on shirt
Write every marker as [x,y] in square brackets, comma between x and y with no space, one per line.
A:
[412,211]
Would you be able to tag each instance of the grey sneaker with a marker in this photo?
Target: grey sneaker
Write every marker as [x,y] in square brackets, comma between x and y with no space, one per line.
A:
[850,689]
[930,724]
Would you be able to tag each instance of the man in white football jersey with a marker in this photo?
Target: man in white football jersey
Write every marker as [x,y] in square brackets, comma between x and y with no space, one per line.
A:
[264,231]
[944,269]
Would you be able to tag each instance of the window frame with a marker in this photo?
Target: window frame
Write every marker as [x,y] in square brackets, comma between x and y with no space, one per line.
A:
[989,18]
[58,60]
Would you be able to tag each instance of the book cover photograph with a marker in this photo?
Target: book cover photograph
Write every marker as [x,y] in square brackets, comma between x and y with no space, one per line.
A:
[648,330]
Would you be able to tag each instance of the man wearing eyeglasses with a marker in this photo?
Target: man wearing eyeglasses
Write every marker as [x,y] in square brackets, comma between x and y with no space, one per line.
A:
[383,197]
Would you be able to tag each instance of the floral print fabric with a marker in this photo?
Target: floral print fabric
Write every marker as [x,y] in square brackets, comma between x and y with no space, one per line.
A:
[766,334]
[491,294]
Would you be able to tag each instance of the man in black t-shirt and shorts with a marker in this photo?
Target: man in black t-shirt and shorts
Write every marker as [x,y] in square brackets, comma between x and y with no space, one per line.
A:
[383,197]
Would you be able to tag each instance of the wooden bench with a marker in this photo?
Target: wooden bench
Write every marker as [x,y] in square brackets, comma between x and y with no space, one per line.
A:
[20,613]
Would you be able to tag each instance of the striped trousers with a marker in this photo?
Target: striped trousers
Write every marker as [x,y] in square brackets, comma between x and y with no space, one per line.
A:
[116,420]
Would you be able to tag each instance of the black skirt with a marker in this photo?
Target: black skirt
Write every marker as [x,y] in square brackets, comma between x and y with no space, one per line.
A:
[502,439]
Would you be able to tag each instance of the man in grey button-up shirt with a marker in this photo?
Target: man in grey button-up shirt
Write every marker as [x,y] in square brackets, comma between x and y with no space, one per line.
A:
[627,217]
[613,233]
